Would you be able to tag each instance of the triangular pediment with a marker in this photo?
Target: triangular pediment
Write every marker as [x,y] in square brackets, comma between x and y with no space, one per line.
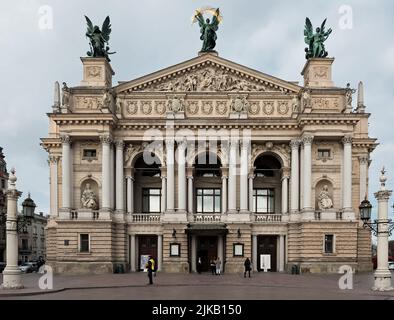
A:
[207,73]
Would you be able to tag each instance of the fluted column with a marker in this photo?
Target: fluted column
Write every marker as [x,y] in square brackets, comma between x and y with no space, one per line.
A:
[112,175]
[382,274]
[66,171]
[53,164]
[159,252]
[182,176]
[163,189]
[119,176]
[347,173]
[294,188]
[224,190]
[285,191]
[130,194]
[190,203]
[244,176]
[106,175]
[170,175]
[11,274]
[254,252]
[363,176]
[251,179]
[307,141]
[232,179]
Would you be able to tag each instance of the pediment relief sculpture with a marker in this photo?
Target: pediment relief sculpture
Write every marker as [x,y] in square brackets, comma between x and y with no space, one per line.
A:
[212,79]
[176,104]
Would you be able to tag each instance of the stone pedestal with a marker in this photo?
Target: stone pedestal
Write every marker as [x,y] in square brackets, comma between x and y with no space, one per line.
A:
[317,73]
[97,72]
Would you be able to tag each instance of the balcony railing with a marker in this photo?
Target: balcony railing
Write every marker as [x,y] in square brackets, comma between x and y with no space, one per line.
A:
[207,217]
[145,218]
[267,218]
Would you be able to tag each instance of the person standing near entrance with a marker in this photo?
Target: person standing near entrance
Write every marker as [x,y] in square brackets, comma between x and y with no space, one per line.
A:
[151,268]
[199,265]
[247,265]
[213,266]
[218,266]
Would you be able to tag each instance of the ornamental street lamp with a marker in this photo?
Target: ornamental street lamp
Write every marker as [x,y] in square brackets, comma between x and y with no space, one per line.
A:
[382,228]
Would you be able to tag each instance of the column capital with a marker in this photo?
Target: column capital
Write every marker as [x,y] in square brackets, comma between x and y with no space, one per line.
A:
[307,139]
[224,171]
[252,176]
[347,139]
[106,139]
[65,139]
[182,143]
[294,144]
[224,177]
[119,143]
[170,143]
[383,195]
[234,142]
[245,144]
[285,173]
[130,178]
[364,159]
[52,159]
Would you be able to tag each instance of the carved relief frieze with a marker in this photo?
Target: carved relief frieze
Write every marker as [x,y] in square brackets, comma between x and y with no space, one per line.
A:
[283,107]
[193,107]
[207,107]
[254,107]
[88,102]
[325,103]
[131,107]
[268,107]
[160,107]
[221,107]
[146,107]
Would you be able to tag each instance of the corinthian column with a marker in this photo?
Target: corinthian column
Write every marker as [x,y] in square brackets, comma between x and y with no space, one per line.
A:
[190,204]
[307,141]
[363,176]
[106,175]
[232,180]
[294,189]
[12,274]
[285,191]
[66,171]
[181,176]
[347,173]
[130,194]
[170,175]
[119,176]
[53,163]
[244,177]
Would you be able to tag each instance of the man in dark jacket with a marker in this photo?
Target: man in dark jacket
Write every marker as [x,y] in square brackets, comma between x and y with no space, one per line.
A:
[151,268]
[247,266]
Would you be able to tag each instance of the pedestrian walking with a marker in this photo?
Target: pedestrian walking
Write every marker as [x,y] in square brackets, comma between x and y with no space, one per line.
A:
[151,269]
[247,265]
[212,263]
[218,266]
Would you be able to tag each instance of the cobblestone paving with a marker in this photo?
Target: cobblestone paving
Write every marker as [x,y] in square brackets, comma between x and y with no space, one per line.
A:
[197,286]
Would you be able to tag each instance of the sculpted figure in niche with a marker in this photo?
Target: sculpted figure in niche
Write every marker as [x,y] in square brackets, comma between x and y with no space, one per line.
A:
[89,200]
[325,201]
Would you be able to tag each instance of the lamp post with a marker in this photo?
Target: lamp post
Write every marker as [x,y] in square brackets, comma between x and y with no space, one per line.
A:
[11,274]
[382,228]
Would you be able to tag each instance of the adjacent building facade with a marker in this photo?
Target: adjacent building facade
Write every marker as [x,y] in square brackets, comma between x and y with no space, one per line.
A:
[206,159]
[32,244]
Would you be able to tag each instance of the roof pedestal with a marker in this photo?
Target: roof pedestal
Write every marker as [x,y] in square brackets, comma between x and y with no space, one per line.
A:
[317,73]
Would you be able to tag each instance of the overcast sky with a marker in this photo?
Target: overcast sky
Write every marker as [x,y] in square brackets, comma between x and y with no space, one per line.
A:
[150,35]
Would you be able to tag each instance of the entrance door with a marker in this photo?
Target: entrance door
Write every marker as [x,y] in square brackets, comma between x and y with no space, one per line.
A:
[147,246]
[267,245]
[207,249]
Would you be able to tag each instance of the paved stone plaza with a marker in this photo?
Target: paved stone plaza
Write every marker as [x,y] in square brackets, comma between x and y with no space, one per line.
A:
[261,286]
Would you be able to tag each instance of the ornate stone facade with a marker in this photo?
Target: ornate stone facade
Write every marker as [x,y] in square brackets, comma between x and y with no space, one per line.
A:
[210,156]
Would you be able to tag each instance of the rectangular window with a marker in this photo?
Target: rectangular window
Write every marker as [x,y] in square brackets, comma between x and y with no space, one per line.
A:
[3,184]
[89,153]
[25,244]
[209,201]
[84,243]
[151,200]
[264,200]
[324,153]
[329,243]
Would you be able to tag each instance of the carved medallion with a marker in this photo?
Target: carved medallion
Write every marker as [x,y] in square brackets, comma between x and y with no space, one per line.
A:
[193,107]
[221,107]
[268,107]
[283,107]
[94,72]
[254,108]
[320,72]
[132,107]
[175,104]
[146,107]
[160,107]
[207,107]
[239,104]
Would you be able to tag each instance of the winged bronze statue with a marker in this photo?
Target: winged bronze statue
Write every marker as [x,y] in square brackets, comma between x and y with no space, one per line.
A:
[315,41]
[99,39]
[208,29]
